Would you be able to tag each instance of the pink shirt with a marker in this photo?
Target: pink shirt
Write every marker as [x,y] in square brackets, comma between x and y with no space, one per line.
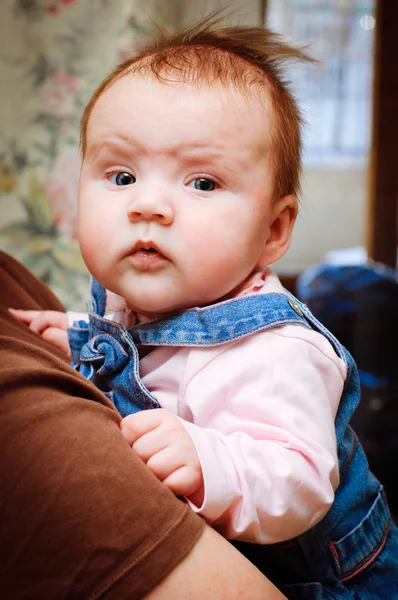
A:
[261,414]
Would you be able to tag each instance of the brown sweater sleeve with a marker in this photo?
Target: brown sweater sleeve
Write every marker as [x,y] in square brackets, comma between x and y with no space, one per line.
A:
[82,517]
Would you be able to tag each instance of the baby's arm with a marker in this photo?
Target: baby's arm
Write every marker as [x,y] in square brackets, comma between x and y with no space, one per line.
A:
[260,460]
[264,431]
[51,325]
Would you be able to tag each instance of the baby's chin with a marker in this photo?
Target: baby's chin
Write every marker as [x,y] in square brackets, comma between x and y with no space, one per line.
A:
[155,304]
[148,312]
[156,308]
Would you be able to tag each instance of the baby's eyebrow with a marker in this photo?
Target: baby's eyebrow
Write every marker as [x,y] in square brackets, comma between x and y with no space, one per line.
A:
[121,144]
[195,153]
[189,153]
[124,145]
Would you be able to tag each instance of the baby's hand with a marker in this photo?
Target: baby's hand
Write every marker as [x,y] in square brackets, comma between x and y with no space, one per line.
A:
[51,325]
[162,442]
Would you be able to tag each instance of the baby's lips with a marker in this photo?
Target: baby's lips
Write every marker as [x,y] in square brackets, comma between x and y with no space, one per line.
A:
[147,246]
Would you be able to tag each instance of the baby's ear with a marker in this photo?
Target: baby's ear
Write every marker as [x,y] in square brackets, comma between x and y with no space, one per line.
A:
[280,232]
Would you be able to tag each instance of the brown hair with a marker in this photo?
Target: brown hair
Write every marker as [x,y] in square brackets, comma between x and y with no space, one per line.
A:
[247,57]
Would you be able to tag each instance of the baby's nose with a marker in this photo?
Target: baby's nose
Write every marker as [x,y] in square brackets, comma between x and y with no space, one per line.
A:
[151,209]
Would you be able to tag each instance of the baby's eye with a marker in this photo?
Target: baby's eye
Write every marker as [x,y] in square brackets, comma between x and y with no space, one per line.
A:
[122,178]
[202,184]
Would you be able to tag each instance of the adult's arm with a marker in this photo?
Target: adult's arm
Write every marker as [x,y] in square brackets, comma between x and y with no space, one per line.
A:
[82,517]
[214,570]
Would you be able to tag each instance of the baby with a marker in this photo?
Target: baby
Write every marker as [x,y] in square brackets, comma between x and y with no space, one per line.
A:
[188,192]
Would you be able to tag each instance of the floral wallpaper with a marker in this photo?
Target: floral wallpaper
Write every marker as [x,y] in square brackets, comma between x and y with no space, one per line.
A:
[53,53]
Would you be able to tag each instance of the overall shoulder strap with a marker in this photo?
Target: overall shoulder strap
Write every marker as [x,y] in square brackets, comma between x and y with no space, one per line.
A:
[222,322]
[97,301]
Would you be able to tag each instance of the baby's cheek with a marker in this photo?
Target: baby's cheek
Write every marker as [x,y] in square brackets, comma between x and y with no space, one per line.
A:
[88,240]
[92,246]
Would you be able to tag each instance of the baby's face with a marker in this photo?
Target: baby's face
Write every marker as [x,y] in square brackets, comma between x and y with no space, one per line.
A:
[175,200]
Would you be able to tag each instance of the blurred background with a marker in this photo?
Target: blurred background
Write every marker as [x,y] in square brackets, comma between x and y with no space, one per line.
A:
[342,261]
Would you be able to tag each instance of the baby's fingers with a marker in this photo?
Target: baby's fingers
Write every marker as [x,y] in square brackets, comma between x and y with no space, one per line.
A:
[139,424]
[184,481]
[165,462]
[39,320]
[25,316]
[58,338]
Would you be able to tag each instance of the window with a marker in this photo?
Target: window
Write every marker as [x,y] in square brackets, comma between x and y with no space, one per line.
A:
[335,95]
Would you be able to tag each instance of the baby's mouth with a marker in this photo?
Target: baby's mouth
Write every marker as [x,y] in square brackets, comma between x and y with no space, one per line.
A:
[146,255]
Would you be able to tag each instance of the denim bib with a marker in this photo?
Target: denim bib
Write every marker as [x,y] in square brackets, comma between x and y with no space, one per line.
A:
[352,554]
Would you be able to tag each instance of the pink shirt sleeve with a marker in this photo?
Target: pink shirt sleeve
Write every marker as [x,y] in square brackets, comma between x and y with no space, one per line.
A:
[263,417]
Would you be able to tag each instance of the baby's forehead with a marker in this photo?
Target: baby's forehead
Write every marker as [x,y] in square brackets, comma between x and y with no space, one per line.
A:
[184,120]
[230,92]
[198,103]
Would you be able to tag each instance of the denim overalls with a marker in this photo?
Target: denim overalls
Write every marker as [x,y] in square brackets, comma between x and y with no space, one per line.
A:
[353,552]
